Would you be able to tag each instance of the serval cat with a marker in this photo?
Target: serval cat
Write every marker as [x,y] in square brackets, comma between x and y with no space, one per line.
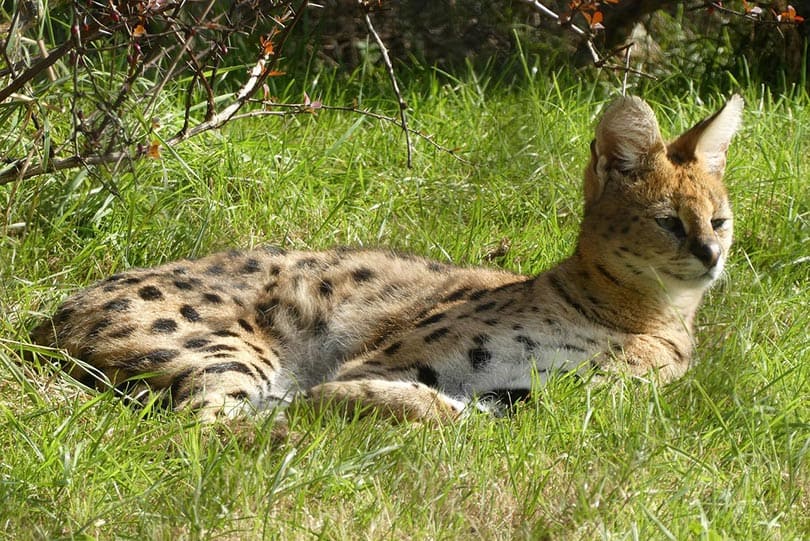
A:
[422,340]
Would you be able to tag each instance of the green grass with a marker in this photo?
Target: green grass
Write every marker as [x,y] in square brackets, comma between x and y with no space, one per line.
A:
[720,454]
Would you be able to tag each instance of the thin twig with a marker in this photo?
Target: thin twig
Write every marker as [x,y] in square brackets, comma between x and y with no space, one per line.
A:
[548,13]
[391,75]
[186,43]
[298,108]
[626,69]
[258,74]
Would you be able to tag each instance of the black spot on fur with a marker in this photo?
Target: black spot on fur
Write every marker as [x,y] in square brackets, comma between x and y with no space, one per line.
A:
[393,348]
[506,305]
[267,361]
[435,267]
[219,347]
[97,327]
[150,293]
[251,266]
[245,325]
[132,280]
[430,320]
[62,315]
[219,356]
[123,332]
[517,327]
[180,271]
[320,326]
[456,295]
[306,263]
[148,360]
[481,339]
[195,343]
[221,368]
[225,333]
[526,341]
[238,395]
[188,312]
[363,274]
[117,305]
[435,335]
[160,355]
[164,326]
[325,288]
[272,250]
[474,296]
[490,322]
[485,306]
[213,298]
[181,284]
[479,357]
[215,270]
[559,287]
[427,376]
[604,272]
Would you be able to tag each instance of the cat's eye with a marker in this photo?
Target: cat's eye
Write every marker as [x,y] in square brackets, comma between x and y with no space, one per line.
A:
[673,224]
[719,223]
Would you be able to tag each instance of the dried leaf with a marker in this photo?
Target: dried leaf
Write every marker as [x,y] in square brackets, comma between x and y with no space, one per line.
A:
[789,16]
[154,150]
[267,45]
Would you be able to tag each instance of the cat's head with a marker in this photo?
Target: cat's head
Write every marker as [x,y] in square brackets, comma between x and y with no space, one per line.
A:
[659,211]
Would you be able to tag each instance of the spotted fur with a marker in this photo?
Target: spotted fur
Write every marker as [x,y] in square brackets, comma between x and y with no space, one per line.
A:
[418,339]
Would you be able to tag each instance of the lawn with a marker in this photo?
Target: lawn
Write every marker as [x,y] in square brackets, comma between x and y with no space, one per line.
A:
[720,454]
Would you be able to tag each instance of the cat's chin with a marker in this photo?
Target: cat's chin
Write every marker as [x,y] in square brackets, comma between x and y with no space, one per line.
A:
[706,279]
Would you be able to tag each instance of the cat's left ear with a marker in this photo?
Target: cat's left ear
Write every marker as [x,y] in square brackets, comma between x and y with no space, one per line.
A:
[709,139]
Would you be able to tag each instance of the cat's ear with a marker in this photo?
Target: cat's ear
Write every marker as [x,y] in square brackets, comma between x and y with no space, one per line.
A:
[709,139]
[626,137]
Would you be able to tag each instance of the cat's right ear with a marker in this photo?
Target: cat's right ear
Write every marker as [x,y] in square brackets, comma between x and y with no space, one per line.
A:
[626,137]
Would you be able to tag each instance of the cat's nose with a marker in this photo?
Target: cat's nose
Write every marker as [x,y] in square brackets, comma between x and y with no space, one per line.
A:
[707,252]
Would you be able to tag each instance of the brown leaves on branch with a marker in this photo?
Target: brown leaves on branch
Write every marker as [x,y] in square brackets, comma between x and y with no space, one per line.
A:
[771,13]
[590,10]
[158,44]
[121,60]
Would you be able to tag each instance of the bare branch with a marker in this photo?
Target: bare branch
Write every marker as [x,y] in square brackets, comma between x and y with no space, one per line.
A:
[598,60]
[391,75]
[19,170]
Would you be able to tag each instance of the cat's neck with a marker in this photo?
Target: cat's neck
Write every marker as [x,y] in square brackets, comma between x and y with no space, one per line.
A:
[634,303]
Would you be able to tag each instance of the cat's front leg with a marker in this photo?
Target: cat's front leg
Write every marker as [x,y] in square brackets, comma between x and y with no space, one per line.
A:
[664,358]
